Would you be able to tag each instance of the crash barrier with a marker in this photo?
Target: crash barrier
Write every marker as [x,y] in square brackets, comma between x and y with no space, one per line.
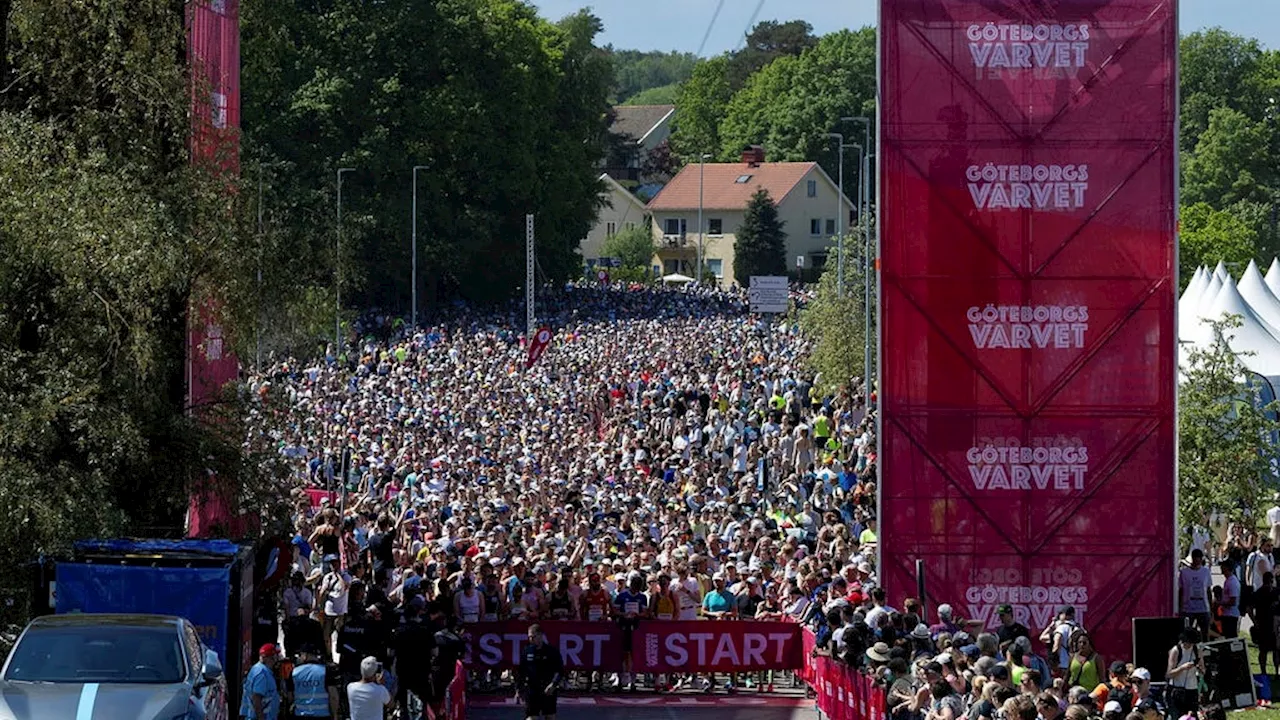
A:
[658,646]
[842,692]
[455,696]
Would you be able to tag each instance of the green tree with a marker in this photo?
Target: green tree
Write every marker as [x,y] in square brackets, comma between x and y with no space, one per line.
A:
[766,42]
[636,73]
[632,246]
[1226,440]
[1231,162]
[1209,236]
[837,326]
[791,104]
[760,247]
[1217,70]
[661,95]
[700,107]
[507,111]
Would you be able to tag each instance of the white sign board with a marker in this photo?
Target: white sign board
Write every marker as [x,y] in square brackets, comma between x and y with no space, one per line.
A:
[768,294]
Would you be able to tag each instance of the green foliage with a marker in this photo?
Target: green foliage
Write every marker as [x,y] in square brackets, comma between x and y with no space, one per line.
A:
[1219,70]
[760,246]
[1231,161]
[507,111]
[661,95]
[1224,439]
[791,104]
[837,325]
[700,107]
[1209,236]
[768,41]
[633,246]
[639,73]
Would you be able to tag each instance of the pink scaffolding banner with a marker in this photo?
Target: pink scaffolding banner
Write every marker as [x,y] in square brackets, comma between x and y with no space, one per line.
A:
[1028,287]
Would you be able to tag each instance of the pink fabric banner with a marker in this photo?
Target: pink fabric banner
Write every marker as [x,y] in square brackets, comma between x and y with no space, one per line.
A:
[658,646]
[1027,298]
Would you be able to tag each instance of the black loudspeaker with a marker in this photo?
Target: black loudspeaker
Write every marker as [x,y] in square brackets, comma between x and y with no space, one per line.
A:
[1228,675]
[1152,639]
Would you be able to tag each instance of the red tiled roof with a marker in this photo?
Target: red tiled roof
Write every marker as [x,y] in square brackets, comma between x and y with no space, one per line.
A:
[721,189]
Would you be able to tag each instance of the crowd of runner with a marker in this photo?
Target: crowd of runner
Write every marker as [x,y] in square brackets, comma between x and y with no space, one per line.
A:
[668,457]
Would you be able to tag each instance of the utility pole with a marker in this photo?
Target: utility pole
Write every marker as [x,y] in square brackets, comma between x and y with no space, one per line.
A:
[864,224]
[840,203]
[701,170]
[414,316]
[337,274]
[529,318]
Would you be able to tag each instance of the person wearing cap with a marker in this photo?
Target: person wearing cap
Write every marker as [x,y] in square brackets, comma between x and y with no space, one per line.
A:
[1120,690]
[314,688]
[1113,710]
[368,697]
[1140,680]
[260,699]
[1009,629]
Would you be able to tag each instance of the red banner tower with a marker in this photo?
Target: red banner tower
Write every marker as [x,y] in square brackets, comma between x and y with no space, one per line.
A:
[1027,207]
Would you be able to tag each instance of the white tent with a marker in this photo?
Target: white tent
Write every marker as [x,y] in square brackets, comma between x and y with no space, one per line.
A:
[1208,295]
[1273,276]
[1251,337]
[1221,273]
[1261,300]
[676,278]
[1191,296]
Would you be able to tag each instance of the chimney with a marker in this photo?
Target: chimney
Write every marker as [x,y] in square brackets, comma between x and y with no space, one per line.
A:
[753,155]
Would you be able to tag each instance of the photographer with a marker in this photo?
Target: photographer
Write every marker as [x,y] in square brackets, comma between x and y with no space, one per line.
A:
[368,696]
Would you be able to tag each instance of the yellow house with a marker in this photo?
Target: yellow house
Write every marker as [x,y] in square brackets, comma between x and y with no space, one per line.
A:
[808,202]
[621,210]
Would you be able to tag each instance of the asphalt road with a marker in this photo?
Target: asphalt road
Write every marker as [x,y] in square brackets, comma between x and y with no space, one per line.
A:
[668,712]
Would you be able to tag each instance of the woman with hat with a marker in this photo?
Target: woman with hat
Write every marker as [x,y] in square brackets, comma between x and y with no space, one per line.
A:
[921,642]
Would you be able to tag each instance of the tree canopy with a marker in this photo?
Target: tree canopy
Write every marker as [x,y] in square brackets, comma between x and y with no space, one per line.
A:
[638,74]
[760,245]
[506,111]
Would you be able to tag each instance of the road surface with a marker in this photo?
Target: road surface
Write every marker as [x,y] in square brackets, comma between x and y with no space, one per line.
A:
[640,707]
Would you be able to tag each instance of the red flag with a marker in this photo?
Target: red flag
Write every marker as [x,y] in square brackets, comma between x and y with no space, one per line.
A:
[538,346]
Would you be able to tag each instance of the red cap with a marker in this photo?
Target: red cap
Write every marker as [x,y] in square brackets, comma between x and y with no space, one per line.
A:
[267,650]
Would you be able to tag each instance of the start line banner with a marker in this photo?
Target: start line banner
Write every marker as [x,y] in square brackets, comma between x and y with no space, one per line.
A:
[658,646]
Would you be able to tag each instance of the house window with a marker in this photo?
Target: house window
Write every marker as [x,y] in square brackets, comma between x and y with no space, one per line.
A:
[610,229]
[813,188]
[715,226]
[673,226]
[831,226]
[631,226]
[815,227]
[671,267]
[715,266]
[743,179]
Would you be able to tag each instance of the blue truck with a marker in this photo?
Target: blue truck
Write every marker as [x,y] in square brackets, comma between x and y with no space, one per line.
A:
[210,583]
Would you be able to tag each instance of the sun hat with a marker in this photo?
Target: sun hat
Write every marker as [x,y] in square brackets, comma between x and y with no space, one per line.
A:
[878,652]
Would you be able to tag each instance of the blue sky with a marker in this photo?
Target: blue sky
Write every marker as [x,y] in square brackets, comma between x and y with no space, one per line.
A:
[681,24]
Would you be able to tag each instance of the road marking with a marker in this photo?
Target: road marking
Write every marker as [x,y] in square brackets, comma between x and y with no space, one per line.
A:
[88,696]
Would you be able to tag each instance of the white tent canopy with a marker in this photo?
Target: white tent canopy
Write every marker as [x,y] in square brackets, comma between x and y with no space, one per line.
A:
[1251,337]
[1221,273]
[1273,276]
[676,278]
[1191,296]
[1253,288]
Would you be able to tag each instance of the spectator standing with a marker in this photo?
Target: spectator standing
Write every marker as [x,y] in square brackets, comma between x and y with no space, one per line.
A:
[260,699]
[368,697]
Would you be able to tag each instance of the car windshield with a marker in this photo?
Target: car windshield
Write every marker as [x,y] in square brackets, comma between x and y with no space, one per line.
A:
[98,654]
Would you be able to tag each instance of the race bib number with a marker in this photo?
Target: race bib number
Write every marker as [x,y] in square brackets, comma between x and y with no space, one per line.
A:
[594,613]
[664,616]
[490,617]
[631,608]
[470,617]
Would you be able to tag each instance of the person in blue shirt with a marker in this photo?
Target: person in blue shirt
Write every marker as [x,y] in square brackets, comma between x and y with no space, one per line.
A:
[261,697]
[631,605]
[720,604]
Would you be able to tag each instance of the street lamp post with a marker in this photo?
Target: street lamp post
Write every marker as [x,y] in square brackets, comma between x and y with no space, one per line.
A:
[864,209]
[413,322]
[702,160]
[337,273]
[840,225]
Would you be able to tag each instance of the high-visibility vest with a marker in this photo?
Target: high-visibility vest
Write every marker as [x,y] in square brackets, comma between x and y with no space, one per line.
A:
[310,695]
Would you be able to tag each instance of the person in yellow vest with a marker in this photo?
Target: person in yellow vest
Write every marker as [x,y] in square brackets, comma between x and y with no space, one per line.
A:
[821,428]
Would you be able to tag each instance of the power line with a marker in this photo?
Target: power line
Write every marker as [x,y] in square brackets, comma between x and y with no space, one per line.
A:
[750,24]
[705,36]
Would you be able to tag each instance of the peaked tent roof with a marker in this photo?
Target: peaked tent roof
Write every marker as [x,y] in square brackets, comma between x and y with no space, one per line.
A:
[1259,349]
[1208,295]
[1261,300]
[1273,276]
[1221,273]
[1190,296]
